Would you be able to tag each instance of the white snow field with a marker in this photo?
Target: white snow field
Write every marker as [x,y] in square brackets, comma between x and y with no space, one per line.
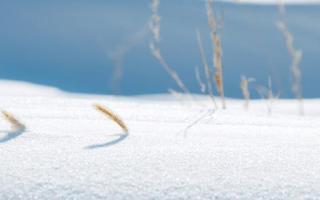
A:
[70,151]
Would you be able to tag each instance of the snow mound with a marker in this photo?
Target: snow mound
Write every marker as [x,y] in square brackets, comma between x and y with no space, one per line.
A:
[19,88]
[70,151]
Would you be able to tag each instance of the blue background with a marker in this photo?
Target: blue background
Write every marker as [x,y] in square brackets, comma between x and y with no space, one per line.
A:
[76,44]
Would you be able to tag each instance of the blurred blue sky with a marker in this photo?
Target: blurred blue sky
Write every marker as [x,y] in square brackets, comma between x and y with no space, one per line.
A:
[74,45]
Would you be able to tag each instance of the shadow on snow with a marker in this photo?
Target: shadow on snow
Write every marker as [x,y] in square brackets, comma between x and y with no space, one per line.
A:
[10,135]
[119,138]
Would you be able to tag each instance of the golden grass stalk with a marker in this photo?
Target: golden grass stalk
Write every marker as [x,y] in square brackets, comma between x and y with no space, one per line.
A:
[217,51]
[206,68]
[296,56]
[15,124]
[155,47]
[244,85]
[111,115]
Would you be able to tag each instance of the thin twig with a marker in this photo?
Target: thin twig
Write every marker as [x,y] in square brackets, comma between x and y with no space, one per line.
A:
[217,51]
[202,85]
[244,85]
[296,56]
[155,47]
[197,120]
[206,68]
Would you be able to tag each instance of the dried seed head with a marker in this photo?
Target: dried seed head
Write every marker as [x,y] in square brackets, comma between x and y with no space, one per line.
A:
[115,118]
[15,124]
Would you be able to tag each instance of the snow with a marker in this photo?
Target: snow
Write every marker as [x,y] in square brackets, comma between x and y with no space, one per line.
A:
[70,151]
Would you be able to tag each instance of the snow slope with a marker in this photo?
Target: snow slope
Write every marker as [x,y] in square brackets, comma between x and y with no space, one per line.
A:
[70,151]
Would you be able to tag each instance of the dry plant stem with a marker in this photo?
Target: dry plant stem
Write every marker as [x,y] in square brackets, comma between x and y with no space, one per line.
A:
[270,95]
[118,55]
[206,69]
[296,56]
[155,49]
[217,51]
[244,85]
[267,94]
[173,74]
[218,66]
[202,86]
[111,115]
[155,20]
[197,120]
[15,124]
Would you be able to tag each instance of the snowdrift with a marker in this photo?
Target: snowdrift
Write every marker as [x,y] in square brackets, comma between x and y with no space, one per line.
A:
[70,151]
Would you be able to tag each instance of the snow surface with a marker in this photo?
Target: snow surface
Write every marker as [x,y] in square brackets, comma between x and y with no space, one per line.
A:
[70,151]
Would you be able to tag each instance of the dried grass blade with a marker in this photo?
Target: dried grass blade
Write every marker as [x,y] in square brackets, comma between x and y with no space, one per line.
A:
[16,124]
[114,117]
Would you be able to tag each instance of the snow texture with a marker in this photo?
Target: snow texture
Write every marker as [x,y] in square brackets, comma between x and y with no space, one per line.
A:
[70,151]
